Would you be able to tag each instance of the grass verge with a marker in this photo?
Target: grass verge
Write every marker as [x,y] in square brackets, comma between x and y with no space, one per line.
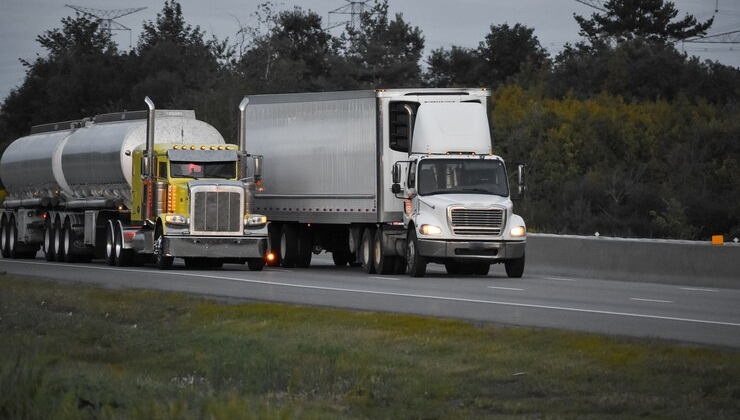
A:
[76,352]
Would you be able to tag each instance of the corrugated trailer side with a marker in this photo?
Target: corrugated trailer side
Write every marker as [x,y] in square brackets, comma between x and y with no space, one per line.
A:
[321,156]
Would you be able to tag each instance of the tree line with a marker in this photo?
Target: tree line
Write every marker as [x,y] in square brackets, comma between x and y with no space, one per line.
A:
[621,133]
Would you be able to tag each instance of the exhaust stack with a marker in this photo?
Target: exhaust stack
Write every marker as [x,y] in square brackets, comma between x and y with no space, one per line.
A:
[146,162]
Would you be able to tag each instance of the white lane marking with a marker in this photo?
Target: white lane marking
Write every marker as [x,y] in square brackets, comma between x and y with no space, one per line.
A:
[505,288]
[698,289]
[385,278]
[560,279]
[652,300]
[408,295]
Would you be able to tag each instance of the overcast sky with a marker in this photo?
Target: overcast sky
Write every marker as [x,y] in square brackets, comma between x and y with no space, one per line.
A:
[443,22]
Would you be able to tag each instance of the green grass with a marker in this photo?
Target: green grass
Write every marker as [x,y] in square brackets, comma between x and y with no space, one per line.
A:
[80,352]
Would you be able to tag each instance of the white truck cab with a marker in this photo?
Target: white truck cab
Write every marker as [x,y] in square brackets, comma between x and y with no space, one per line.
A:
[457,206]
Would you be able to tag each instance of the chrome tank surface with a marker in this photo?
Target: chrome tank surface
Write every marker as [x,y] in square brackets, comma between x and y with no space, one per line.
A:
[94,160]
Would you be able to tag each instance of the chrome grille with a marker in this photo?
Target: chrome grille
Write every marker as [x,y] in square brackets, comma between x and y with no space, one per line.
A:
[477,221]
[216,211]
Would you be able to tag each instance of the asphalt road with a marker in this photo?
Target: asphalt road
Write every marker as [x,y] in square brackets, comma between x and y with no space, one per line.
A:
[709,316]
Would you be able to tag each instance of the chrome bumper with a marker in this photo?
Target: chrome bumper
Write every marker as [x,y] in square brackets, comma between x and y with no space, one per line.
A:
[214,247]
[492,251]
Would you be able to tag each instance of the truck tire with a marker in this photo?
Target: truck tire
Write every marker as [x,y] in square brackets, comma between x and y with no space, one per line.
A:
[515,267]
[273,232]
[48,241]
[56,235]
[255,264]
[384,264]
[4,238]
[416,265]
[110,244]
[162,261]
[305,247]
[124,257]
[68,242]
[12,239]
[482,269]
[366,251]
[289,245]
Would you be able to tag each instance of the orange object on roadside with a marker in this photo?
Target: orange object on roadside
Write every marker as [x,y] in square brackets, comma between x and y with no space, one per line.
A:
[718,240]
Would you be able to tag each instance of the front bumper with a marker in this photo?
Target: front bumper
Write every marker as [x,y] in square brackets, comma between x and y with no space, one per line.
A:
[214,247]
[471,250]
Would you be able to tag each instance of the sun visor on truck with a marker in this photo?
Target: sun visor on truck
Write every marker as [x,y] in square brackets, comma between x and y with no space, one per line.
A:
[202,155]
[451,127]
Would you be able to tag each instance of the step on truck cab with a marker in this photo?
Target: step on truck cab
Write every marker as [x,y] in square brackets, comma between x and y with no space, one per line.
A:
[388,179]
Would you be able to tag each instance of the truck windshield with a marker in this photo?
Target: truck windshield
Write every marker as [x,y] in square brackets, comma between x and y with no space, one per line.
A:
[196,170]
[462,176]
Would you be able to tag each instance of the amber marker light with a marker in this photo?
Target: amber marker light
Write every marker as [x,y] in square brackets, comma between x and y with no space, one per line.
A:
[270,257]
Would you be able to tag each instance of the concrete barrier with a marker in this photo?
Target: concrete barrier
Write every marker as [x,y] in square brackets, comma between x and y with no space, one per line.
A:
[688,263]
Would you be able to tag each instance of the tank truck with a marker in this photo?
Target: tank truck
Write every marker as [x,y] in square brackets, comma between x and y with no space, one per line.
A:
[387,179]
[131,187]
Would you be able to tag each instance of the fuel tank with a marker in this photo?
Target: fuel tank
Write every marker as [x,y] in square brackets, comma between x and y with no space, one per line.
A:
[86,159]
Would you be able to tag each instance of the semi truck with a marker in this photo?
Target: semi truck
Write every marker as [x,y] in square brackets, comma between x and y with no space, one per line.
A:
[387,179]
[141,186]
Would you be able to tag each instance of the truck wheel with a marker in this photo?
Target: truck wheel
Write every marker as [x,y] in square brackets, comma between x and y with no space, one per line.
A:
[340,257]
[48,241]
[305,247]
[400,266]
[482,269]
[384,264]
[110,244]
[273,232]
[453,267]
[289,245]
[515,267]
[12,239]
[4,238]
[416,265]
[255,264]
[56,235]
[366,251]
[162,261]
[123,257]
[68,242]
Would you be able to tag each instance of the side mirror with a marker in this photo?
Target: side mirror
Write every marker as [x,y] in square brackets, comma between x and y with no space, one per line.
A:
[258,167]
[396,173]
[145,165]
[396,188]
[520,180]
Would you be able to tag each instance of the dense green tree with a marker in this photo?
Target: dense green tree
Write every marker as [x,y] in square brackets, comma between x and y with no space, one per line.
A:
[506,52]
[78,76]
[294,55]
[385,52]
[174,63]
[652,20]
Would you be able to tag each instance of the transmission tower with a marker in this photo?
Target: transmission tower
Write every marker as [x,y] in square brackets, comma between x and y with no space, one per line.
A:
[354,9]
[106,17]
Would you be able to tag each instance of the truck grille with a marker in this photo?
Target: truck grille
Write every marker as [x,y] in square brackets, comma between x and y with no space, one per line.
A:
[216,212]
[477,221]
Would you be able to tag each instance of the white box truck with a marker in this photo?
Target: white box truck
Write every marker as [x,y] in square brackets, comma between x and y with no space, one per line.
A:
[387,179]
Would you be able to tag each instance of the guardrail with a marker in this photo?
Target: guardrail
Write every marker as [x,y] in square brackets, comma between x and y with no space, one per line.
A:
[689,263]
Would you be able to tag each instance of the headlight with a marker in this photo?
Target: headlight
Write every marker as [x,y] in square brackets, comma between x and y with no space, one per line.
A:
[176,219]
[517,231]
[255,220]
[430,230]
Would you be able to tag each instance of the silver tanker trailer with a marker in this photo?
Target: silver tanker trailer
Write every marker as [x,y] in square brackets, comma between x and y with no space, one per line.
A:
[127,189]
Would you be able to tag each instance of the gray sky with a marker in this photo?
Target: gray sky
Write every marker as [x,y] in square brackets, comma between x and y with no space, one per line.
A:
[443,22]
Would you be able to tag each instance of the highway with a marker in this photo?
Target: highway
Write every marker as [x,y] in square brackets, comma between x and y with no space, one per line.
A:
[699,315]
